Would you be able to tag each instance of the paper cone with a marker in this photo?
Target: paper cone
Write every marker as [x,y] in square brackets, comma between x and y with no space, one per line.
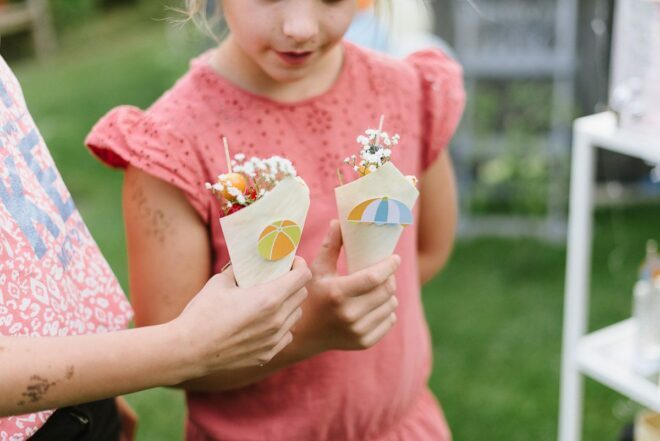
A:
[367,243]
[243,230]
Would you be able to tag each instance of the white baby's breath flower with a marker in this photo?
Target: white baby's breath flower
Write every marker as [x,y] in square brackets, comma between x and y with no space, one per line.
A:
[372,168]
[208,186]
[234,191]
[239,157]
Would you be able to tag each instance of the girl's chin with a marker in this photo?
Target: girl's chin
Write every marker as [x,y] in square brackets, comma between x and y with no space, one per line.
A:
[283,75]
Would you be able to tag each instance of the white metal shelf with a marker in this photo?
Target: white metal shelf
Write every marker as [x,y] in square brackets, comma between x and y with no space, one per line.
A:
[602,355]
[603,131]
[608,357]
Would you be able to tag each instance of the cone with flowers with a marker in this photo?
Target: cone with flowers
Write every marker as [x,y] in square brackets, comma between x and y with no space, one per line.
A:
[264,206]
[376,207]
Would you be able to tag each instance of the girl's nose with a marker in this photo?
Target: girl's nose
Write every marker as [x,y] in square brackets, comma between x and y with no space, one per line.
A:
[301,24]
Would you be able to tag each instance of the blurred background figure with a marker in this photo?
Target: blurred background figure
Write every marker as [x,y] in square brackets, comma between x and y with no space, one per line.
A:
[399,27]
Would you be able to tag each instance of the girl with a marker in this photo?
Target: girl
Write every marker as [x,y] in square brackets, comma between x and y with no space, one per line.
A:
[56,286]
[284,82]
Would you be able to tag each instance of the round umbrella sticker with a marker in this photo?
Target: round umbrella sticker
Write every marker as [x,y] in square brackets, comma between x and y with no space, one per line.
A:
[278,240]
[381,211]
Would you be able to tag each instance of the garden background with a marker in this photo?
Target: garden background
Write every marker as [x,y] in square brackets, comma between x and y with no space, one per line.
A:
[495,312]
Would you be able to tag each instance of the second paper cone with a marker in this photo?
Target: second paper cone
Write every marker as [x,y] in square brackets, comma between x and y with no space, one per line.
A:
[367,243]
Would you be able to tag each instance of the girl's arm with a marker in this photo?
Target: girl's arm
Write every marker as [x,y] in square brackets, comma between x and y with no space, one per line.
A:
[223,327]
[438,217]
[170,257]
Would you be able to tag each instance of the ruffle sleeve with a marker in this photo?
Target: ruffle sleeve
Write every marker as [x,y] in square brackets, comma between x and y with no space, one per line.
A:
[128,135]
[443,100]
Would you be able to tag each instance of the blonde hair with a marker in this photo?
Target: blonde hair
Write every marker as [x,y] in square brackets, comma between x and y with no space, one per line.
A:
[196,11]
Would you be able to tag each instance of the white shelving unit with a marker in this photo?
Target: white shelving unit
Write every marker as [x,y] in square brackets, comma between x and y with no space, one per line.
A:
[604,355]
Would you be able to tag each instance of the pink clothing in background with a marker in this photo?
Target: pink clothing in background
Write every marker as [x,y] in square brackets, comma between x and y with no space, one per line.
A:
[53,279]
[379,394]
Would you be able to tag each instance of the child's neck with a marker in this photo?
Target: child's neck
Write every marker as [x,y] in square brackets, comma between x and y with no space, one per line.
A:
[232,63]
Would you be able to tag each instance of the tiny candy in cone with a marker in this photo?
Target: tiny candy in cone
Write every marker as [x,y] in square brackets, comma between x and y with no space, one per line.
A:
[235,180]
[375,208]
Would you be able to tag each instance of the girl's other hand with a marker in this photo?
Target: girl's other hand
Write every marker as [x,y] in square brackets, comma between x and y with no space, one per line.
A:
[227,327]
[347,312]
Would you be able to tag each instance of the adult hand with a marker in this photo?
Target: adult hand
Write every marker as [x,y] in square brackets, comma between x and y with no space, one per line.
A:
[350,312]
[228,327]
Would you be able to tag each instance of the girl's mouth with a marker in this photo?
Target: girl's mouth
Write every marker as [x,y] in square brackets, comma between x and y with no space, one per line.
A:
[294,58]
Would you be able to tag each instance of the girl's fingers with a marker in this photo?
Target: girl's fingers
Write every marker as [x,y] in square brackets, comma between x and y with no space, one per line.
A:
[358,307]
[371,321]
[379,332]
[370,278]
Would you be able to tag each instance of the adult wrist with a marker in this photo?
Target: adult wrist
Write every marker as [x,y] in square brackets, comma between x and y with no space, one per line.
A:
[183,351]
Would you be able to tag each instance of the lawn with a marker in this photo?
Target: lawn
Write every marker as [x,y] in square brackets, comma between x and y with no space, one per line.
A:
[495,312]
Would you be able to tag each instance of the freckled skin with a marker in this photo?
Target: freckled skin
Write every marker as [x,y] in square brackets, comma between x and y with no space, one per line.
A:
[37,389]
[158,223]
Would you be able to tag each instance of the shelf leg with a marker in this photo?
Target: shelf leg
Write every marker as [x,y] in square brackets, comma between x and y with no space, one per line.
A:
[578,267]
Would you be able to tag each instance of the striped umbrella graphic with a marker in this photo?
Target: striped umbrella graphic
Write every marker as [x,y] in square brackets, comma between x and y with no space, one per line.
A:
[381,211]
[279,239]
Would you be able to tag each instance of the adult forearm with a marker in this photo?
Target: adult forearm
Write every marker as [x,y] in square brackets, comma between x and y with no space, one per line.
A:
[38,373]
[294,353]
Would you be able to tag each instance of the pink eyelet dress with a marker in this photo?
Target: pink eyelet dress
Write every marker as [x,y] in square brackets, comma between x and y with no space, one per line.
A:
[379,394]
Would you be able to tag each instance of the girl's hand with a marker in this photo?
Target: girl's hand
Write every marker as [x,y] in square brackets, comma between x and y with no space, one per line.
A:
[227,327]
[347,312]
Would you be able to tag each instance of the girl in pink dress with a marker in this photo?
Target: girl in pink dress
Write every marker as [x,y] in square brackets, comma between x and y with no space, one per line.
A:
[284,82]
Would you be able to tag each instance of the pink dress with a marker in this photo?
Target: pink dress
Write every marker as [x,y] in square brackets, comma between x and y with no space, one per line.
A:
[380,394]
[53,279]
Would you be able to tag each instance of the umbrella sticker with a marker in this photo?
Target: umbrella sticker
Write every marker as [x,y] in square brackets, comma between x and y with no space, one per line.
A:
[381,211]
[278,240]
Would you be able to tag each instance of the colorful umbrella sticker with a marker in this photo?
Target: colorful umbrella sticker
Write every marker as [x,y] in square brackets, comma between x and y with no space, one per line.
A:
[381,211]
[279,239]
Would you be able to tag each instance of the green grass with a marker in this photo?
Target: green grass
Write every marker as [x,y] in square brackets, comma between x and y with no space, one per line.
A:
[495,313]
[496,317]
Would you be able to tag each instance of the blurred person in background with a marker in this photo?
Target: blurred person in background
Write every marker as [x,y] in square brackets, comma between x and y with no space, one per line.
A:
[398,28]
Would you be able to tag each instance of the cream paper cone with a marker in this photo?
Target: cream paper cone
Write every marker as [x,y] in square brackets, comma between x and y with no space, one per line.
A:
[367,244]
[289,200]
